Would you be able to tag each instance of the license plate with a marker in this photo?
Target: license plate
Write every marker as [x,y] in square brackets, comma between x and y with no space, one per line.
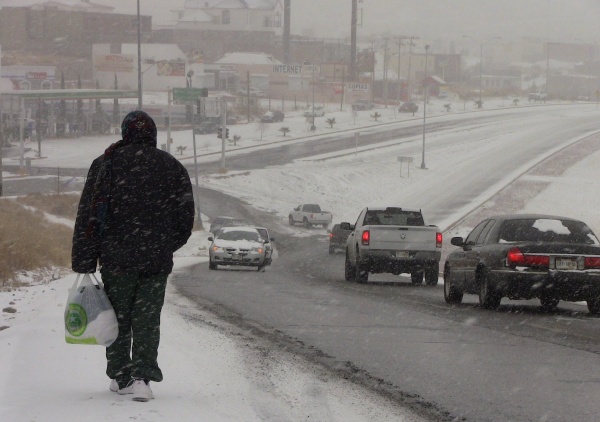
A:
[236,257]
[401,254]
[566,264]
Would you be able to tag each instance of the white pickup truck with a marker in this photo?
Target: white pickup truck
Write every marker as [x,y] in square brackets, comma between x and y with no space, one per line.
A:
[392,240]
[309,215]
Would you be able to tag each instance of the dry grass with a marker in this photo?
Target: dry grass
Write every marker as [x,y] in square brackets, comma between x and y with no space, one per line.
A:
[64,205]
[28,241]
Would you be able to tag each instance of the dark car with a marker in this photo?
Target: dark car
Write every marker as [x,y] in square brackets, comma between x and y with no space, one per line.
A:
[524,257]
[220,222]
[337,238]
[207,127]
[362,105]
[272,116]
[408,107]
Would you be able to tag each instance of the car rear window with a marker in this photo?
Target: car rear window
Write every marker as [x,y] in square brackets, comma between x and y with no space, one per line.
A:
[393,217]
[546,230]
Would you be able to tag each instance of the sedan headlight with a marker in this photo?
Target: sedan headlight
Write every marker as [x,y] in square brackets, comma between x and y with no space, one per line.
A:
[216,248]
[258,250]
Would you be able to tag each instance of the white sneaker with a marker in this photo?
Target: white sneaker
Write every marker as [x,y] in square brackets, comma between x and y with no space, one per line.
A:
[141,391]
[114,387]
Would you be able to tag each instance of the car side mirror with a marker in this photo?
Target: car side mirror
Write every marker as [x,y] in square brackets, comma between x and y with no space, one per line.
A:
[346,226]
[457,241]
[272,239]
[211,238]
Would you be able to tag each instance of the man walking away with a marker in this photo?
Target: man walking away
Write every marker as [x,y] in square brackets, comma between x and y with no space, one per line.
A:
[136,209]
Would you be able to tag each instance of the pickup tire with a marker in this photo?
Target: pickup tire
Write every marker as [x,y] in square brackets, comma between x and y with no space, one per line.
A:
[291,220]
[331,250]
[307,225]
[593,305]
[416,277]
[212,265]
[432,274]
[362,272]
[348,269]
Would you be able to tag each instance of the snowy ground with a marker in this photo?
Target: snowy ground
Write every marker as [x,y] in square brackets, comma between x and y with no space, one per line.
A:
[214,372]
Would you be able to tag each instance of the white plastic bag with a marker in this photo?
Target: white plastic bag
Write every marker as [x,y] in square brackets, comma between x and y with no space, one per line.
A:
[89,316]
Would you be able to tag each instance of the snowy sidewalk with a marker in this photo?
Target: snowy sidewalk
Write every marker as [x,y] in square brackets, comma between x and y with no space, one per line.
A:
[213,372]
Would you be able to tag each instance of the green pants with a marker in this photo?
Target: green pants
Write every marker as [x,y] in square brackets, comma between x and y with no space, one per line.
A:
[137,299]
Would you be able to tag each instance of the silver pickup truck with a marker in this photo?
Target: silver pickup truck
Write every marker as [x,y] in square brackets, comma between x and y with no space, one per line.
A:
[392,240]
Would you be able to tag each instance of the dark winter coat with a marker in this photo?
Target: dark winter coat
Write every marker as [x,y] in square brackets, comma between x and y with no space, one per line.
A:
[150,213]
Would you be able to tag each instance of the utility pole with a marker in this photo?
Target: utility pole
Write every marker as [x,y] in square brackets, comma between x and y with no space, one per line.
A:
[287,11]
[400,41]
[353,67]
[385,70]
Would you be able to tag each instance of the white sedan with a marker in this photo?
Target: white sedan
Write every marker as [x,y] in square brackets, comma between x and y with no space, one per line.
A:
[241,246]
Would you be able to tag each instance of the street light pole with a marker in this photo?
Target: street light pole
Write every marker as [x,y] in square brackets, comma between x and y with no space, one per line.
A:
[139,40]
[425,86]
[313,127]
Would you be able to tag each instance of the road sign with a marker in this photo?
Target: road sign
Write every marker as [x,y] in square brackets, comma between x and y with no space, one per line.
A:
[187,94]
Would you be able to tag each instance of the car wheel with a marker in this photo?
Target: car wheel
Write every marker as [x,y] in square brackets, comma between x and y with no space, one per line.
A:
[212,265]
[488,298]
[594,306]
[416,277]
[307,225]
[432,274]
[331,250]
[348,269]
[451,293]
[549,303]
[362,272]
[261,268]
[291,220]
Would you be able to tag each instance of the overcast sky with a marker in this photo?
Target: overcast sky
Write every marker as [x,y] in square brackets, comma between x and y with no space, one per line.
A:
[555,20]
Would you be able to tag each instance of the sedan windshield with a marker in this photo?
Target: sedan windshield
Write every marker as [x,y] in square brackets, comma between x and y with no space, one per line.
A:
[238,235]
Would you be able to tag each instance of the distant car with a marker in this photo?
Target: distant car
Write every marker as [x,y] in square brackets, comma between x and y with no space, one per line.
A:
[362,105]
[264,234]
[223,221]
[337,238]
[207,127]
[524,257]
[408,107]
[583,98]
[237,246]
[537,96]
[318,112]
[253,92]
[272,116]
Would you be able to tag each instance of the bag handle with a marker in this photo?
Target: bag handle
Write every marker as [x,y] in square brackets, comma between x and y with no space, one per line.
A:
[97,283]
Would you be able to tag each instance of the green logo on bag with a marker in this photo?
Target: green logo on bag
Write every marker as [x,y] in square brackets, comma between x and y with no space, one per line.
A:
[76,320]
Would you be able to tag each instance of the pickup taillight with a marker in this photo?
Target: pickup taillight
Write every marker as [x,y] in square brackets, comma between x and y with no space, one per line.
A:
[438,240]
[366,237]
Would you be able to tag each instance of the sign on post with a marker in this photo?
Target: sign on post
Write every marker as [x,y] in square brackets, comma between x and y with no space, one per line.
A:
[406,160]
[187,94]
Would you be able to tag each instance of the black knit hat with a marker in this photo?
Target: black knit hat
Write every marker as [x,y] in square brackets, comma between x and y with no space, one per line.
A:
[138,125]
